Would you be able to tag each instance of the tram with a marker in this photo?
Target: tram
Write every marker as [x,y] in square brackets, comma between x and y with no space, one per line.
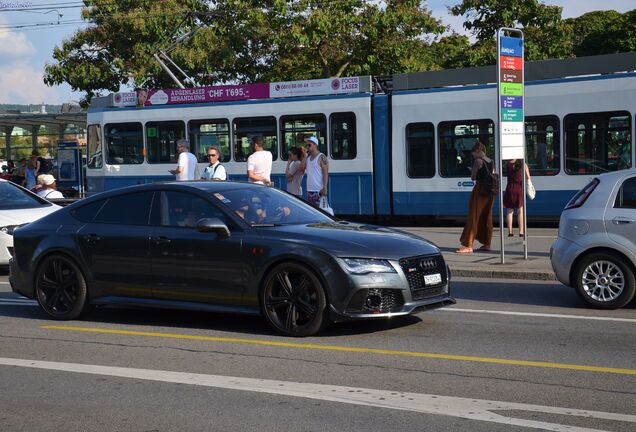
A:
[397,149]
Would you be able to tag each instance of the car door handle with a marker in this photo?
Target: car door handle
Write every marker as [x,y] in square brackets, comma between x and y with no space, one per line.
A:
[160,241]
[622,220]
[92,238]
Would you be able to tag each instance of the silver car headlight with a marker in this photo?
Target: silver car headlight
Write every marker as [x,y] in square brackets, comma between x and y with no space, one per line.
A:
[9,229]
[366,265]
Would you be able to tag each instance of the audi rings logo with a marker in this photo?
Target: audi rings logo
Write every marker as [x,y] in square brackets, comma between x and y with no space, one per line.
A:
[428,265]
[335,84]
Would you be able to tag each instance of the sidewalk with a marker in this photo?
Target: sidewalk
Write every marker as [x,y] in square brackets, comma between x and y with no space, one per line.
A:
[488,264]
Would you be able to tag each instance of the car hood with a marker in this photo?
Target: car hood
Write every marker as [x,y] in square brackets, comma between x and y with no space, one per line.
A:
[346,239]
[22,216]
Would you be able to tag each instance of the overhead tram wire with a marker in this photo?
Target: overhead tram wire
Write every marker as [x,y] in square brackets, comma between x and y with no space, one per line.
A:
[124,15]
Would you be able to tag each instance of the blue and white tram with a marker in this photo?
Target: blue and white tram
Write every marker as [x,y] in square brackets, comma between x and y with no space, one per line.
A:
[403,153]
[129,146]
[575,128]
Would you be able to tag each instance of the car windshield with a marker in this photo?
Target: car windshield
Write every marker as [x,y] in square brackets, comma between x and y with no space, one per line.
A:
[268,206]
[13,197]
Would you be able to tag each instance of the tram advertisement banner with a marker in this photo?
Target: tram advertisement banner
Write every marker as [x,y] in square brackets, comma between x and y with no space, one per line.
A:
[316,87]
[204,94]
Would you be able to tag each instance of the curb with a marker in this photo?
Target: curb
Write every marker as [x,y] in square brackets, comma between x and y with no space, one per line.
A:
[503,274]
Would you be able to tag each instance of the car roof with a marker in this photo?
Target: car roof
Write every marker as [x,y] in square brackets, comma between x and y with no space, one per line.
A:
[202,185]
[617,175]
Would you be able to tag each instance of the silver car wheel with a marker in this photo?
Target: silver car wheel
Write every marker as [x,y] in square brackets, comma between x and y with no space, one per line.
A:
[603,281]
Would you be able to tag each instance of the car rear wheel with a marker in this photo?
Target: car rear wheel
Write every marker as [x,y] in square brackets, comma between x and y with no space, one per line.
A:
[293,300]
[605,281]
[60,288]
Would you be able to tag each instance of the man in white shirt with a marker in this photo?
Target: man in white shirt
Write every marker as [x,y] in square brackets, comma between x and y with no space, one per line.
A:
[214,171]
[316,166]
[259,164]
[186,163]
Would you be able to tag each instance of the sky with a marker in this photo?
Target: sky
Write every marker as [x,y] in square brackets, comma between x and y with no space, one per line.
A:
[28,37]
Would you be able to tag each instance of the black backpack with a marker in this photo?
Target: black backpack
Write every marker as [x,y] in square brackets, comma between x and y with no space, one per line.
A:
[488,180]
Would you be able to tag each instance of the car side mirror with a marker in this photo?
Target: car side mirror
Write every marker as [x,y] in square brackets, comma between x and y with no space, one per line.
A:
[214,225]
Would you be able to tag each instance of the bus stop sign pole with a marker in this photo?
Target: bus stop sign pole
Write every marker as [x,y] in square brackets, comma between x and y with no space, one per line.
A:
[510,104]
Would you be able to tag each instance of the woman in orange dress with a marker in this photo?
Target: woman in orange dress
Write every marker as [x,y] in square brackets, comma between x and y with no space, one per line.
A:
[479,219]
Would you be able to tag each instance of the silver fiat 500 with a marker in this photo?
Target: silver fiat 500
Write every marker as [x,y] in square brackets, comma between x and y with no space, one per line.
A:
[595,252]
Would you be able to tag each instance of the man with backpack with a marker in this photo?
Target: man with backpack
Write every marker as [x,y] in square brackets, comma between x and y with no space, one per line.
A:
[479,219]
[214,171]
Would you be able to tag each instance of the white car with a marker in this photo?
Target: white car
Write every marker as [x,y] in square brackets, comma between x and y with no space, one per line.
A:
[18,207]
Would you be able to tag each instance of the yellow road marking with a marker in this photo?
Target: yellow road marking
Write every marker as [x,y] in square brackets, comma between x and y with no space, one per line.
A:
[491,360]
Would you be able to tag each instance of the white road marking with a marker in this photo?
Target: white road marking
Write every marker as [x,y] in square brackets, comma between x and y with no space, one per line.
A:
[4,283]
[542,315]
[472,409]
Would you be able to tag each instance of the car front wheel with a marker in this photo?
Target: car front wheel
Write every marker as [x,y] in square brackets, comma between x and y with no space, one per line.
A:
[293,300]
[605,281]
[60,288]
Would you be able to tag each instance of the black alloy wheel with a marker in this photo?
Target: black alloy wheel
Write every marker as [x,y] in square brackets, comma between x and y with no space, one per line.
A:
[605,280]
[293,300]
[60,288]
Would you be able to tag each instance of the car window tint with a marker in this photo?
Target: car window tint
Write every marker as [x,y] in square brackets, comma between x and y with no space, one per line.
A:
[128,209]
[626,197]
[182,209]
[87,212]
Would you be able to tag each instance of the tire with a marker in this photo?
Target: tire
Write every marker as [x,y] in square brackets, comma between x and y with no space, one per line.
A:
[604,280]
[60,288]
[293,300]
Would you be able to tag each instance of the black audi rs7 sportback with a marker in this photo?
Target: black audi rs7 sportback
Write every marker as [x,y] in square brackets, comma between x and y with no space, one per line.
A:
[225,247]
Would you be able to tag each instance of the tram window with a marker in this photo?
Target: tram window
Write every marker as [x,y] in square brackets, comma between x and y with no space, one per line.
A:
[210,133]
[543,145]
[161,138]
[626,197]
[456,140]
[94,147]
[343,135]
[420,150]
[598,142]
[124,143]
[246,128]
[295,128]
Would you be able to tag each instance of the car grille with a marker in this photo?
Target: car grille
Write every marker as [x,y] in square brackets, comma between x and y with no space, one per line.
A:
[391,300]
[416,268]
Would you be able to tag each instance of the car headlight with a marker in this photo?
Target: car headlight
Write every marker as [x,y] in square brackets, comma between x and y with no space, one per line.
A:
[366,265]
[9,229]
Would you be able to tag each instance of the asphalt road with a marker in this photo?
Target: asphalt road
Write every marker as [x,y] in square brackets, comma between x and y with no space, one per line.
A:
[510,356]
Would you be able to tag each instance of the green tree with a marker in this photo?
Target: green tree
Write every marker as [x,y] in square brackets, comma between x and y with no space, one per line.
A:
[546,35]
[243,40]
[117,47]
[603,32]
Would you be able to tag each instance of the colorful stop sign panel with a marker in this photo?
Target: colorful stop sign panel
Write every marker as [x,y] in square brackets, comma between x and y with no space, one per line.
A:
[511,63]
[509,46]
[511,76]
[511,121]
